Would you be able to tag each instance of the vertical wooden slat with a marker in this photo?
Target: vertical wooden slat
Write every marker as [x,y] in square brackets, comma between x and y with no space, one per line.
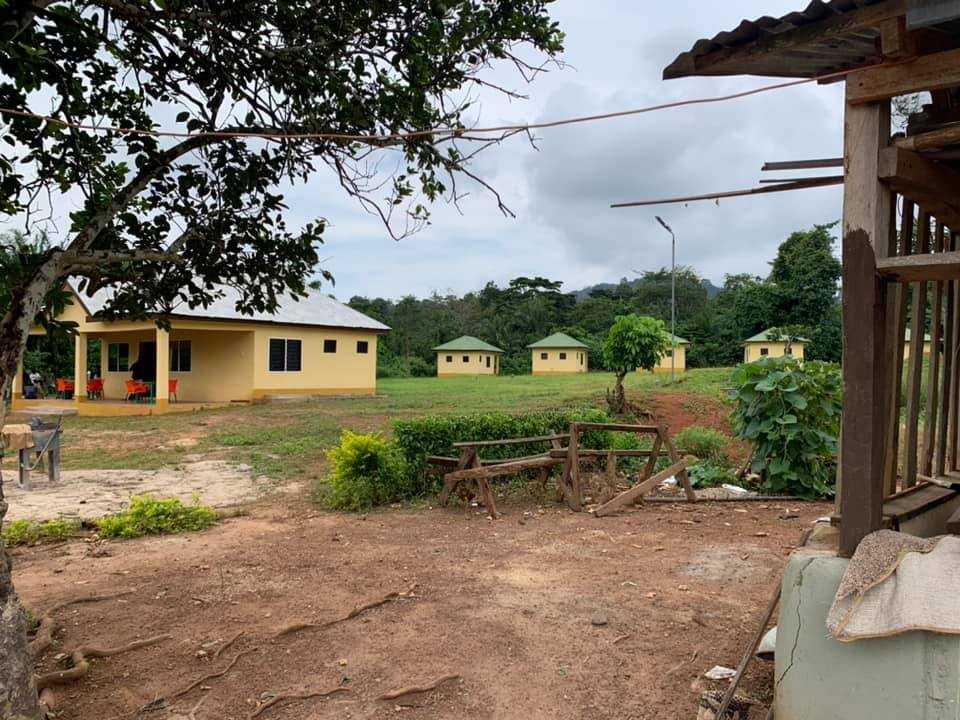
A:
[867,205]
[943,430]
[953,449]
[918,329]
[933,371]
[896,339]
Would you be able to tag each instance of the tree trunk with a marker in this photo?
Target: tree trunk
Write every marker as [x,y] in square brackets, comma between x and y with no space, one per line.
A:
[617,401]
[18,694]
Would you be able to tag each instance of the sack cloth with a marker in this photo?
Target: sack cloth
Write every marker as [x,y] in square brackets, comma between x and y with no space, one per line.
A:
[896,583]
[16,437]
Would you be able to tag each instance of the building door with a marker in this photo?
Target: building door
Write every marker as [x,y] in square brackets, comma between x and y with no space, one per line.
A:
[147,360]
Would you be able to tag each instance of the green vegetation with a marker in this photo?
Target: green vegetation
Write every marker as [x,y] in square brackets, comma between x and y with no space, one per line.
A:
[366,471]
[633,343]
[148,515]
[790,413]
[800,291]
[28,532]
[710,446]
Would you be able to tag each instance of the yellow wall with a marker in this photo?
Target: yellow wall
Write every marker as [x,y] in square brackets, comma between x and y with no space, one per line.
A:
[576,360]
[752,351]
[72,312]
[906,350]
[344,372]
[475,364]
[665,365]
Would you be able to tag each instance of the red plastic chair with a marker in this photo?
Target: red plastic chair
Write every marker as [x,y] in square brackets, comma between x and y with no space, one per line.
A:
[136,390]
[172,386]
[95,388]
[65,388]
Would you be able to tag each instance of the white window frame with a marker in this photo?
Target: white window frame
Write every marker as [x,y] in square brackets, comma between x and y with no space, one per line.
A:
[285,341]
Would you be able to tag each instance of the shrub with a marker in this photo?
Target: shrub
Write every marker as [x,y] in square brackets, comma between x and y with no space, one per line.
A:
[28,532]
[634,342]
[366,471]
[148,515]
[710,474]
[790,413]
[706,443]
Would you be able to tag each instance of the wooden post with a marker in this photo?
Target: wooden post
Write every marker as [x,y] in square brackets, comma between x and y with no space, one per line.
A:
[933,375]
[571,470]
[663,432]
[867,212]
[918,331]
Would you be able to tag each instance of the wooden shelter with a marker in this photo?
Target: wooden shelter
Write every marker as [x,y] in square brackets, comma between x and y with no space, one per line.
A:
[901,246]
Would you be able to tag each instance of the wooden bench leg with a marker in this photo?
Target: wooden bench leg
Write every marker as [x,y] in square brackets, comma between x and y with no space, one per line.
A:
[487,494]
[25,468]
[467,457]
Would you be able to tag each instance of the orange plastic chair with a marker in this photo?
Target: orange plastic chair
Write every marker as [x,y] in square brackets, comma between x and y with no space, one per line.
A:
[64,387]
[136,390]
[172,386]
[95,388]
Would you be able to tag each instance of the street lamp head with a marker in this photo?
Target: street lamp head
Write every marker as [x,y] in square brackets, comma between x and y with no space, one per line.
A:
[665,226]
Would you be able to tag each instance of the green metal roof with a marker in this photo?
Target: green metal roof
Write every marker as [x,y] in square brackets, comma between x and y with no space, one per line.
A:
[765,337]
[680,340]
[558,340]
[467,344]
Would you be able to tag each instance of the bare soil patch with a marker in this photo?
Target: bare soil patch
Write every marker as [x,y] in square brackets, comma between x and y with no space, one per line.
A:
[89,494]
[512,606]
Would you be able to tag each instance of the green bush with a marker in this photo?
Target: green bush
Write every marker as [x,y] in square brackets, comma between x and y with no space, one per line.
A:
[710,474]
[28,532]
[706,443]
[148,515]
[790,413]
[366,471]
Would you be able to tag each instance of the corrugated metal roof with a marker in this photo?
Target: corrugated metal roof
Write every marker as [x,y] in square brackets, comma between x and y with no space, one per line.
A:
[765,337]
[825,37]
[467,343]
[315,309]
[558,340]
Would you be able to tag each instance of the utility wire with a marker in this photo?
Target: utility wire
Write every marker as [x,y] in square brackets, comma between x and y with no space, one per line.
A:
[443,132]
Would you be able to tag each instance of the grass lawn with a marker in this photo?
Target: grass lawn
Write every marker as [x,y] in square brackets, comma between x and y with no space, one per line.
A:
[284,440]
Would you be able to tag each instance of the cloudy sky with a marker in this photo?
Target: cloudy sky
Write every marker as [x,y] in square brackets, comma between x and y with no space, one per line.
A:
[561,191]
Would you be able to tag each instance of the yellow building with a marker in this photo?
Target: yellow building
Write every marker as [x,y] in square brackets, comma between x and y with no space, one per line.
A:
[467,356]
[762,345]
[558,354]
[906,345]
[665,364]
[216,355]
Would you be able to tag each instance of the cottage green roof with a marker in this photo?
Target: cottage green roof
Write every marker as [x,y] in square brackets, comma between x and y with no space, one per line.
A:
[467,344]
[558,340]
[765,336]
[680,340]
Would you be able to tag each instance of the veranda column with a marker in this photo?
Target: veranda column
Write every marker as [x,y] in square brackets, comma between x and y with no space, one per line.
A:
[16,392]
[867,218]
[80,368]
[163,369]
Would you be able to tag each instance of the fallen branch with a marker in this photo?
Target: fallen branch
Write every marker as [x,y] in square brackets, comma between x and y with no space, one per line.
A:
[394,694]
[389,597]
[672,670]
[43,639]
[81,666]
[306,696]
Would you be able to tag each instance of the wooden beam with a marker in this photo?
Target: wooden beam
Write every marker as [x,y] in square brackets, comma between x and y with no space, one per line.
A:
[802,164]
[932,140]
[763,190]
[937,71]
[506,468]
[511,441]
[935,186]
[617,427]
[867,214]
[915,268]
[641,489]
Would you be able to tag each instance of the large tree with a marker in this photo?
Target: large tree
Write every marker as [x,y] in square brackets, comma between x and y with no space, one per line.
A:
[259,95]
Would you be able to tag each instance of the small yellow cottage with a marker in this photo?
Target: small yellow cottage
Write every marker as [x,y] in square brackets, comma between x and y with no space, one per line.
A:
[558,353]
[213,355]
[467,356]
[762,345]
[906,345]
[665,363]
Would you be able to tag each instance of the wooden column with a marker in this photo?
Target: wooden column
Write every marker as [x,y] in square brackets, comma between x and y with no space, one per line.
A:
[867,214]
[80,367]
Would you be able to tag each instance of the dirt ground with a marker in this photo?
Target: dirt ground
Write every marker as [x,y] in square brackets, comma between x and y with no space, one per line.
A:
[90,494]
[544,613]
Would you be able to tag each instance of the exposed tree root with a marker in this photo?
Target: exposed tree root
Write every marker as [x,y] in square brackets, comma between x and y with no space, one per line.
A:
[227,644]
[389,597]
[394,694]
[43,639]
[81,666]
[305,696]
[154,704]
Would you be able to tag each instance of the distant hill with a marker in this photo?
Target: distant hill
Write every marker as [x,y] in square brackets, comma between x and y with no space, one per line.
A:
[583,294]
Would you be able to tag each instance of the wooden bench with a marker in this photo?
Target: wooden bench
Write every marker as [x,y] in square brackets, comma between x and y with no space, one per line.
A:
[470,468]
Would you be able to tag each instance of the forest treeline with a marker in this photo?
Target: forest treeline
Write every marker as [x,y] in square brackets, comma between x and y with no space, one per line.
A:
[801,292]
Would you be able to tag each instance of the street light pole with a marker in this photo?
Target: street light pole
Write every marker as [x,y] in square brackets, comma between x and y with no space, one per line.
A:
[673,299]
